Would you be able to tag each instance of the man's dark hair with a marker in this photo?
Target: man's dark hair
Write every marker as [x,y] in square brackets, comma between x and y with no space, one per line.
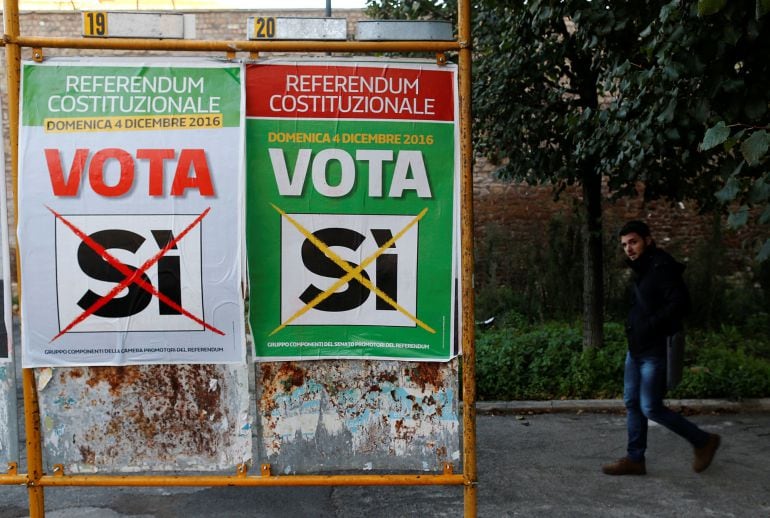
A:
[635,227]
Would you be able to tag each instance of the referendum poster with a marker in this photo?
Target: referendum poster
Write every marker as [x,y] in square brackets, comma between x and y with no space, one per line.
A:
[352,171]
[130,212]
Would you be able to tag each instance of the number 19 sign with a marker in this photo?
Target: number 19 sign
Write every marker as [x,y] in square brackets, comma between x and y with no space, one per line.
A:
[351,203]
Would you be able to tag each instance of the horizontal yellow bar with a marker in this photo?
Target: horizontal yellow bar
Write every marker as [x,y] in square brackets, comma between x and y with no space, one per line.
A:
[235,480]
[234,46]
[13,480]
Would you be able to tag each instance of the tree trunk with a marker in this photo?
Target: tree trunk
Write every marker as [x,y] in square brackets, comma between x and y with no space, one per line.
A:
[593,262]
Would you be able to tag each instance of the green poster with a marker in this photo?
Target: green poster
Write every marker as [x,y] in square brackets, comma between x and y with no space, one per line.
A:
[351,204]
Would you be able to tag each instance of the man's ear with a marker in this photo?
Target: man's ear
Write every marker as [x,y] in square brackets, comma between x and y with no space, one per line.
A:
[648,240]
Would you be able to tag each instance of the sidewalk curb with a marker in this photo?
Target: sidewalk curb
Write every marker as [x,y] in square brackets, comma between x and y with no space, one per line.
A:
[688,406]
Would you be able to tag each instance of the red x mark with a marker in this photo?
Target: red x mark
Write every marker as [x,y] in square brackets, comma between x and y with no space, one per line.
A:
[132,276]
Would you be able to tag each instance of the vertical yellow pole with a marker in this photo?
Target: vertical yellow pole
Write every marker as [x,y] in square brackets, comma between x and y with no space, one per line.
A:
[31,409]
[469,347]
[34,451]
[13,67]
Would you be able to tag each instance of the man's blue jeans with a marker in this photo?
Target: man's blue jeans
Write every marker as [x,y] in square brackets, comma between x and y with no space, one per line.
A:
[644,386]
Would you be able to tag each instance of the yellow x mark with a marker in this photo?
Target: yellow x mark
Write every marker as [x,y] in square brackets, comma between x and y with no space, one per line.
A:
[351,272]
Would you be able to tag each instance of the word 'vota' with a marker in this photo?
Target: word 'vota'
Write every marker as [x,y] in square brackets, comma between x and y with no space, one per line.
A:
[192,171]
[409,173]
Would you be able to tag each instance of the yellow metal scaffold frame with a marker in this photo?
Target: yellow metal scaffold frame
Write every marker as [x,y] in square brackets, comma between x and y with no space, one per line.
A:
[36,479]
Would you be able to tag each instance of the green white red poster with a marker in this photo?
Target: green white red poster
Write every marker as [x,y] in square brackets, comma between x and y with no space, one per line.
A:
[351,202]
[130,212]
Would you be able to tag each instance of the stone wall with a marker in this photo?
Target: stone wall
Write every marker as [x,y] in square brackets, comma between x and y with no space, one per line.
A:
[520,214]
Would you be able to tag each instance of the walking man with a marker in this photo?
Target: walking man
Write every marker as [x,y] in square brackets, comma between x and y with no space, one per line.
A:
[660,301]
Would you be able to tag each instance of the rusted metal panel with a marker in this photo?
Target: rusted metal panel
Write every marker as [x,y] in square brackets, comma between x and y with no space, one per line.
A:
[9,441]
[145,418]
[353,415]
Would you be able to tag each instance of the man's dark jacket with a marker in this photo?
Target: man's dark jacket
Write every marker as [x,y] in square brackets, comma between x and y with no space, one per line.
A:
[658,303]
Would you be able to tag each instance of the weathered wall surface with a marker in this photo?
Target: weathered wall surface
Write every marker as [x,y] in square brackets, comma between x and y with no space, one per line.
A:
[521,213]
[9,451]
[357,415]
[145,418]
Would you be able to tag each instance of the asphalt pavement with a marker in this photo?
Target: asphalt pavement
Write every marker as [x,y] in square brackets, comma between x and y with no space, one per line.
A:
[534,459]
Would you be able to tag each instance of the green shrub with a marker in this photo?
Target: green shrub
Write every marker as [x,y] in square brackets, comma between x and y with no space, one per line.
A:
[516,360]
[726,364]
[756,328]
[598,373]
[545,362]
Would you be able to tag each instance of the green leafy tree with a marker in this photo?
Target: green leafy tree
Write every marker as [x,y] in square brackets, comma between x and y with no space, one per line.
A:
[412,9]
[611,97]
[739,136]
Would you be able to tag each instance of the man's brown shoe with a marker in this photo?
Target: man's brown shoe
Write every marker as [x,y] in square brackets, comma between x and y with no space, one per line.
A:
[624,466]
[704,455]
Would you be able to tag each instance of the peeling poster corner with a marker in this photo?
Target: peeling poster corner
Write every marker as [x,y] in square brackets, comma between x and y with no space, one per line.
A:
[343,415]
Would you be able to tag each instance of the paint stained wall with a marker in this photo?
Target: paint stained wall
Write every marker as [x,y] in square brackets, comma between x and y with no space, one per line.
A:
[9,450]
[352,415]
[311,417]
[145,418]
